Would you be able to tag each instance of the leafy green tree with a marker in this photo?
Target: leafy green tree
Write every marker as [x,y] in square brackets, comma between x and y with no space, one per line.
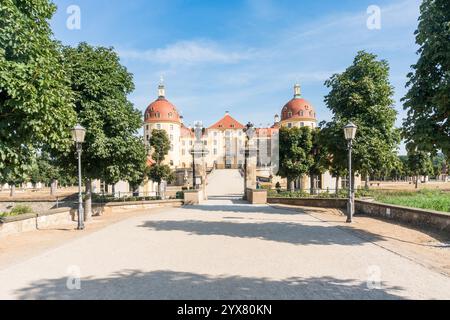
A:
[362,94]
[296,157]
[331,139]
[419,163]
[36,106]
[112,151]
[320,158]
[428,99]
[160,145]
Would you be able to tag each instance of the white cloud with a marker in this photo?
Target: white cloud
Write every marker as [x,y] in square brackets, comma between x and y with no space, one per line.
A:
[187,52]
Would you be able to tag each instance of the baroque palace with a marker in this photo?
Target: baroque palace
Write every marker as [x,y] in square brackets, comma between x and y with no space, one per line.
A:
[226,138]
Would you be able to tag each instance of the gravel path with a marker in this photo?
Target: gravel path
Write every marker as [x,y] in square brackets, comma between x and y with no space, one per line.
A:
[224,249]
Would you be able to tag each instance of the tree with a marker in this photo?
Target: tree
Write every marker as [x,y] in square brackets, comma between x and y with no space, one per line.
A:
[320,159]
[419,163]
[160,144]
[45,171]
[362,94]
[112,151]
[331,139]
[295,153]
[36,106]
[428,99]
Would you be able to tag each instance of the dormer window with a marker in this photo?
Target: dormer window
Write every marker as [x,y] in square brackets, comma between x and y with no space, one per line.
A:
[170,114]
[289,114]
[158,115]
[301,113]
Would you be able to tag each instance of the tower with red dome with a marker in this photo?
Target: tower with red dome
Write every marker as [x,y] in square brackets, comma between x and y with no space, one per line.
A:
[297,113]
[163,115]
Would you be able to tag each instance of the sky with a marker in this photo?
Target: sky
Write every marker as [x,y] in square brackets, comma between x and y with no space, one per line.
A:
[242,56]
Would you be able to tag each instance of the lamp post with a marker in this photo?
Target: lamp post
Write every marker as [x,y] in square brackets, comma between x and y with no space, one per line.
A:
[350,134]
[250,132]
[78,134]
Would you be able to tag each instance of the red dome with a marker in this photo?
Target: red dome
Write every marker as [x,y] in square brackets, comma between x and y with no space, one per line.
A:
[298,108]
[162,111]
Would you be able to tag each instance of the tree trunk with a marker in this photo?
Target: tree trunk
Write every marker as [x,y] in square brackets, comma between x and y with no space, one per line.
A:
[291,185]
[88,201]
[367,182]
[12,191]
[53,187]
[417,182]
[337,185]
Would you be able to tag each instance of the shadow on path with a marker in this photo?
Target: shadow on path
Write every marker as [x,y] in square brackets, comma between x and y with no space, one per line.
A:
[135,284]
[294,233]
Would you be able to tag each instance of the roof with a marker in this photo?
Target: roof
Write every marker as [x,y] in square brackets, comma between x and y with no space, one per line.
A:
[299,109]
[162,110]
[226,123]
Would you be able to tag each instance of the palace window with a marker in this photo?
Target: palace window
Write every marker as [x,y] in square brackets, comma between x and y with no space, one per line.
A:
[289,114]
[301,113]
[171,127]
[215,151]
[158,126]
[289,125]
[158,115]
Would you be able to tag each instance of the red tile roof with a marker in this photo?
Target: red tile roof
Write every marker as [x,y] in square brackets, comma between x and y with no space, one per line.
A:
[227,122]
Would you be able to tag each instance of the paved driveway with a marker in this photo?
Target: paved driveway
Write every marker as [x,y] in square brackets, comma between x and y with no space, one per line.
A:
[222,250]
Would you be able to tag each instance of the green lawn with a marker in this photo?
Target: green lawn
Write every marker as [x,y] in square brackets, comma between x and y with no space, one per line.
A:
[436,200]
[424,199]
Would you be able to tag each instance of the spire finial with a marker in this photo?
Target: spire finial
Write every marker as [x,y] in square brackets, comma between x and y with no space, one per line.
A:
[297,90]
[161,88]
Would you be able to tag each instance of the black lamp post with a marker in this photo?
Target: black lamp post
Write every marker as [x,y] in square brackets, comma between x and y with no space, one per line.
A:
[350,134]
[78,135]
[250,132]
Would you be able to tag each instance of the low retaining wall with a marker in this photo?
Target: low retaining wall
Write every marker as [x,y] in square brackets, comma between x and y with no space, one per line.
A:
[35,221]
[311,202]
[417,217]
[113,207]
[64,216]
[426,219]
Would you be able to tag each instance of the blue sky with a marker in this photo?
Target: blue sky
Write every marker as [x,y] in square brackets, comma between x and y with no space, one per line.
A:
[243,56]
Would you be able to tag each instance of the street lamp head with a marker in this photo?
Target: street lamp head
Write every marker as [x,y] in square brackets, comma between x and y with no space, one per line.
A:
[350,131]
[78,134]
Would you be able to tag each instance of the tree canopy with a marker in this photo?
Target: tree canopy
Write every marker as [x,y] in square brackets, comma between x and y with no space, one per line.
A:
[36,106]
[362,94]
[296,157]
[112,151]
[428,99]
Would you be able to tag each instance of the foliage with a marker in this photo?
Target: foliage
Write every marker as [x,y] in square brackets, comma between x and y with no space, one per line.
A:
[160,144]
[428,98]
[295,152]
[419,162]
[111,151]
[36,106]
[17,210]
[362,94]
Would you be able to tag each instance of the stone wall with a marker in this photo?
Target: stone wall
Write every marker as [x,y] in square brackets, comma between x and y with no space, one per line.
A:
[417,217]
[311,202]
[426,219]
[36,206]
[30,222]
[64,216]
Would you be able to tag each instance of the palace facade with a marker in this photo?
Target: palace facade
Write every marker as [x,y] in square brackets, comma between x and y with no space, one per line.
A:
[226,138]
